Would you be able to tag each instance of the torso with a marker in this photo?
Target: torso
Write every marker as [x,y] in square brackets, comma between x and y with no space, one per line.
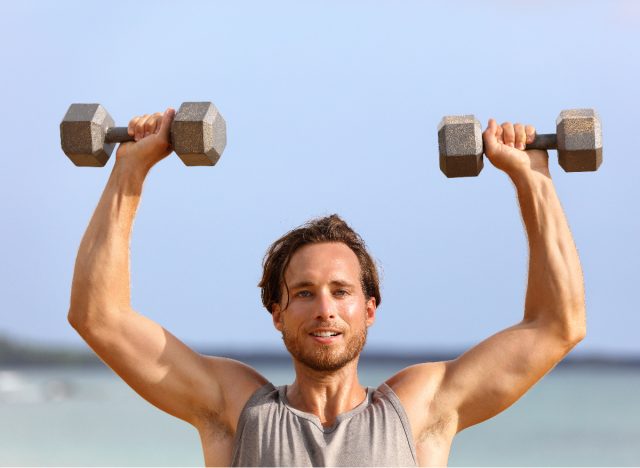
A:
[217,445]
[432,445]
[433,450]
[217,448]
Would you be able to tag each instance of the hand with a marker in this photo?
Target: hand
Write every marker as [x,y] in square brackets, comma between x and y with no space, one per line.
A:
[152,140]
[504,146]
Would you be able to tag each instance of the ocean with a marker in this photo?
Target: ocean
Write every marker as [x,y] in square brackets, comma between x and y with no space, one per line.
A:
[584,416]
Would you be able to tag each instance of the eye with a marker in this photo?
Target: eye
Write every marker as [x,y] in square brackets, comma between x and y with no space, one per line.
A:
[303,293]
[341,292]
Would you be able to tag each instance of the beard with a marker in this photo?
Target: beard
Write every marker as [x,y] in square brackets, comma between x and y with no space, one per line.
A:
[325,358]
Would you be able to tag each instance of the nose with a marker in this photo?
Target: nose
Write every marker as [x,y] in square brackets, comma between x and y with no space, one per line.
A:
[325,306]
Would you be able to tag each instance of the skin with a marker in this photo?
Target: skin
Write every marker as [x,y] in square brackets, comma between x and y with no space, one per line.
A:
[326,294]
[440,398]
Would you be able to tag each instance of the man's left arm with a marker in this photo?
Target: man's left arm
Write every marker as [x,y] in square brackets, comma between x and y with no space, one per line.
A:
[491,376]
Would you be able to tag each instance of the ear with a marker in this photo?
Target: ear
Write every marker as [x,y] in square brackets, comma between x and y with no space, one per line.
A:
[276,315]
[371,311]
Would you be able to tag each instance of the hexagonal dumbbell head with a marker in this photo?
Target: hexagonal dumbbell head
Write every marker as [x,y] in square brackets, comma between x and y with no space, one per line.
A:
[460,146]
[82,133]
[579,140]
[199,134]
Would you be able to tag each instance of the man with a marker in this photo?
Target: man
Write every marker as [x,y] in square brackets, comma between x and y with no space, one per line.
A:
[321,287]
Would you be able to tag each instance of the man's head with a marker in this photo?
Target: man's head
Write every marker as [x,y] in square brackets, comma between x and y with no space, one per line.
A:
[318,280]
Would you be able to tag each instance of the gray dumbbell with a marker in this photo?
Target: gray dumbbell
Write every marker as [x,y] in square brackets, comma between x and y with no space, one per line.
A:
[88,134]
[578,139]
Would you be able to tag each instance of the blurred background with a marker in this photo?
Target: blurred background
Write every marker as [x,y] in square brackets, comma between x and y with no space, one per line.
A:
[331,107]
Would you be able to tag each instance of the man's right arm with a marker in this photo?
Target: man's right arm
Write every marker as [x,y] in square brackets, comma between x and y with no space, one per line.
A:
[151,360]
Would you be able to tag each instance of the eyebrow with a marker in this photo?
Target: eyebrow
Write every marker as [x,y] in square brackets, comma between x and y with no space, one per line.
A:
[307,283]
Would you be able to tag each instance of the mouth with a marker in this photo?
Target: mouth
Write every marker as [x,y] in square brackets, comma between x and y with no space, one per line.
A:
[325,336]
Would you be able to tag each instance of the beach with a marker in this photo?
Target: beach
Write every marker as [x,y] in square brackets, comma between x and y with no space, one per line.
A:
[86,416]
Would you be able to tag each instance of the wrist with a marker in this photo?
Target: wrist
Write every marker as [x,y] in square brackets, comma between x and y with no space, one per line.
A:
[125,170]
[528,177]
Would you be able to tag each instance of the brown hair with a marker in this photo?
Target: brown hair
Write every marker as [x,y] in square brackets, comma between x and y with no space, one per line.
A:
[328,229]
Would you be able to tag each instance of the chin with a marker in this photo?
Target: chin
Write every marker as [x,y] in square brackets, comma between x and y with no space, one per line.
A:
[325,358]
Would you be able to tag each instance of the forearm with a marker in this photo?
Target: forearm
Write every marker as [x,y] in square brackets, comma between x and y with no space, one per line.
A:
[555,289]
[101,280]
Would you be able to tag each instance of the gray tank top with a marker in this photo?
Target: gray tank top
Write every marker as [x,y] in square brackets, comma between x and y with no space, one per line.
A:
[272,433]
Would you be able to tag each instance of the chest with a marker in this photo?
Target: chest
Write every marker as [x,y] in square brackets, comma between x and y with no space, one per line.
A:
[218,450]
[279,437]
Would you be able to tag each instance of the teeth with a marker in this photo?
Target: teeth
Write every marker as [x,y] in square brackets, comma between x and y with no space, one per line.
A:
[325,334]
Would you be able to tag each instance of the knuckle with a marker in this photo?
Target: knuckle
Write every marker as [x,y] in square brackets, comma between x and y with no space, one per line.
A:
[508,130]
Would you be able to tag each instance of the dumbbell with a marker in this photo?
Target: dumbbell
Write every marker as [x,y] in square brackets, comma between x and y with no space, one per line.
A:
[88,134]
[578,139]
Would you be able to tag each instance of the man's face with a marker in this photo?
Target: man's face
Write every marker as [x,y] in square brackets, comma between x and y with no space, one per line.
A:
[325,324]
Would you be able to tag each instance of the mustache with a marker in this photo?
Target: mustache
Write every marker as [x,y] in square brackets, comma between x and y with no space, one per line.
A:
[333,325]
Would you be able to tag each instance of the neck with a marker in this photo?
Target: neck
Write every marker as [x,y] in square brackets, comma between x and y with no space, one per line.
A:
[326,394]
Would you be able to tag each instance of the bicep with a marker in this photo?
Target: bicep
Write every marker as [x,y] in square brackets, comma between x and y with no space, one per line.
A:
[493,375]
[158,366]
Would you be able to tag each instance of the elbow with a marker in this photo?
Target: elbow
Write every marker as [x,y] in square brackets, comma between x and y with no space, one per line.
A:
[571,321]
[78,311]
[567,337]
[568,330]
[91,321]
[579,323]
[576,330]
[575,336]
[82,319]
[579,334]
[76,320]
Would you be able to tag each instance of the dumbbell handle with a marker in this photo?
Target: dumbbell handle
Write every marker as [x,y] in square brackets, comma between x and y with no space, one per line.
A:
[118,135]
[544,141]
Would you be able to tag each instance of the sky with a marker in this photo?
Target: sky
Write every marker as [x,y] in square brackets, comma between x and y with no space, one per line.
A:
[331,107]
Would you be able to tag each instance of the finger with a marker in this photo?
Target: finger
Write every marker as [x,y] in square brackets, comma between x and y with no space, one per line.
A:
[131,128]
[531,133]
[139,130]
[165,123]
[492,136]
[150,125]
[158,120]
[521,136]
[499,133]
[509,135]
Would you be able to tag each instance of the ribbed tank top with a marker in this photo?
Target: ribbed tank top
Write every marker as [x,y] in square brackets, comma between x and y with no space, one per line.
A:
[272,433]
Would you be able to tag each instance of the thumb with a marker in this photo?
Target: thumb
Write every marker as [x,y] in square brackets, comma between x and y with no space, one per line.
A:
[491,137]
[165,124]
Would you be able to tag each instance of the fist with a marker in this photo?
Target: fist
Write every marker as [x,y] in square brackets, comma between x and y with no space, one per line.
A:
[505,147]
[152,140]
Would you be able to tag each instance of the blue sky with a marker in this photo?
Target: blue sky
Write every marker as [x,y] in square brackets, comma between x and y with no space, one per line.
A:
[330,107]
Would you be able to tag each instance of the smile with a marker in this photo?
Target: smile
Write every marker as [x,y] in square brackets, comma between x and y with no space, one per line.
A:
[325,336]
[325,333]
